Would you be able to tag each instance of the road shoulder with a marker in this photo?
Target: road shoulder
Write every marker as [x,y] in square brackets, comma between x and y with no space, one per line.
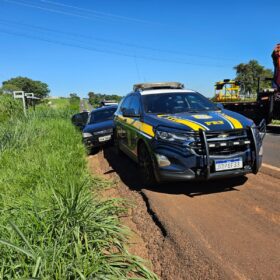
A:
[270,170]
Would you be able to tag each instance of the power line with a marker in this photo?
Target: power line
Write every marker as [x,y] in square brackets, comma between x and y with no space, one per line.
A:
[89,15]
[48,9]
[107,51]
[104,17]
[97,12]
[75,35]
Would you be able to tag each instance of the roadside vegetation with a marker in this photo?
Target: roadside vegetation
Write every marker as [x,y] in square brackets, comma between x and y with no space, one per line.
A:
[9,109]
[95,98]
[249,73]
[276,122]
[53,224]
[40,89]
[72,103]
[59,103]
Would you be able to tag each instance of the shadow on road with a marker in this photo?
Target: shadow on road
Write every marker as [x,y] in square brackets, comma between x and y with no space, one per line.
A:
[129,173]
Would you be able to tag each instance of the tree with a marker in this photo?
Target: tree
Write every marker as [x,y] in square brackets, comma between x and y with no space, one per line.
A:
[74,101]
[9,88]
[25,84]
[95,98]
[248,73]
[91,97]
[74,97]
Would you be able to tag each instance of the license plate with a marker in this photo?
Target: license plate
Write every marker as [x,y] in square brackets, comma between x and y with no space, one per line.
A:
[228,164]
[104,138]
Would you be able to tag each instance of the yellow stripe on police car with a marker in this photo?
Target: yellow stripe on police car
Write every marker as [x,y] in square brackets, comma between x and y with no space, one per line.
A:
[236,123]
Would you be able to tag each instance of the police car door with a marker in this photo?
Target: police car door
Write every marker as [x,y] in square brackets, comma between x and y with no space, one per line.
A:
[132,133]
[122,123]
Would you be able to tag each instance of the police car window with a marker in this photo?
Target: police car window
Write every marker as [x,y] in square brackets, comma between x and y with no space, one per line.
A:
[199,102]
[135,105]
[125,103]
[172,103]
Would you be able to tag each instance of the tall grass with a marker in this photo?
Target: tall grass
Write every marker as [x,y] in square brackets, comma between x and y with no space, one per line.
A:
[52,223]
[276,122]
[9,108]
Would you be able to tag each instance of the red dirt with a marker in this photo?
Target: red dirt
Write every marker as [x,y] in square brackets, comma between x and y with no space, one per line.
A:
[226,229]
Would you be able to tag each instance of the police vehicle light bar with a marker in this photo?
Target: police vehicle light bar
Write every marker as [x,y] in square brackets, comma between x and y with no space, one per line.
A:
[149,86]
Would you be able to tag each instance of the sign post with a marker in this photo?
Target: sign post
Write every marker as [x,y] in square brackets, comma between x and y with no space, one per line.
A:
[20,95]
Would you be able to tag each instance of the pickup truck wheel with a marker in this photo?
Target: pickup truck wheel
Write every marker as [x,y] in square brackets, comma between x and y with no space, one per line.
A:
[146,165]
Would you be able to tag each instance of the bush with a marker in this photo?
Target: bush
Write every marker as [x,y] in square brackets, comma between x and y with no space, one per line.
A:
[9,108]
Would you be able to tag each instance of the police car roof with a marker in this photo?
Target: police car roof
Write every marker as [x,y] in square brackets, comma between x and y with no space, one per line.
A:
[158,85]
[161,91]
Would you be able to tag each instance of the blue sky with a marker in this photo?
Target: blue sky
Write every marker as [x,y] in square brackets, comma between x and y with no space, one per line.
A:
[107,46]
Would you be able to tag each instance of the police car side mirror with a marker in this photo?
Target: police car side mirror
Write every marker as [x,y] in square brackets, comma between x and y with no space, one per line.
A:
[130,113]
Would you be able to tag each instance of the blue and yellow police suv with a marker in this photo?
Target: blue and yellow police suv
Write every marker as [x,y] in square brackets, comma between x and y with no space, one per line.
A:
[177,134]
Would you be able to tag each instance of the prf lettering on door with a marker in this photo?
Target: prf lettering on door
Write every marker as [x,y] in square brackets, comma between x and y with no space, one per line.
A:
[214,122]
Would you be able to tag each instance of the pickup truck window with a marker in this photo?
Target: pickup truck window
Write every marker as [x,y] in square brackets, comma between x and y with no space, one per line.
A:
[102,115]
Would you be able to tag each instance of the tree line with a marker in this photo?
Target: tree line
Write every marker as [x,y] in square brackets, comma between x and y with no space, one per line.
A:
[247,74]
[40,89]
[95,98]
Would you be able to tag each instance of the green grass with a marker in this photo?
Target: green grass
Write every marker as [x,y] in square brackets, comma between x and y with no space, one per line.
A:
[277,122]
[53,224]
[9,108]
[85,103]
[59,103]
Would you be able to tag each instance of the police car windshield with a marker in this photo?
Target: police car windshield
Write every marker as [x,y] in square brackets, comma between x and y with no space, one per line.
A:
[102,115]
[172,103]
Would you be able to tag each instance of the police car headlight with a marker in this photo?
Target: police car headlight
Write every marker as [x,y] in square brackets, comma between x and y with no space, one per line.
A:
[87,135]
[171,136]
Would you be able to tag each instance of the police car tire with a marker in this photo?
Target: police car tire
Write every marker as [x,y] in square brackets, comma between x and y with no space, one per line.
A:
[146,166]
[116,145]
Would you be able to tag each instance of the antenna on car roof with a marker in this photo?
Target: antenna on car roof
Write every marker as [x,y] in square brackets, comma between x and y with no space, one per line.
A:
[162,85]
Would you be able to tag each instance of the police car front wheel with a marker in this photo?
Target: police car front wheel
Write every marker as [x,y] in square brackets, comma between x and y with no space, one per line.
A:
[146,165]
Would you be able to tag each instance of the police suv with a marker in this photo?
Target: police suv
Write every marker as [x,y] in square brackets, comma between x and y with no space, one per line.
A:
[178,134]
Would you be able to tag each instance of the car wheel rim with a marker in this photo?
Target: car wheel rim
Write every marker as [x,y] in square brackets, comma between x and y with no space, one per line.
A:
[145,162]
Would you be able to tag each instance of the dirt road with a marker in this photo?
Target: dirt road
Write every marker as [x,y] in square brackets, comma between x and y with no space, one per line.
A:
[226,229]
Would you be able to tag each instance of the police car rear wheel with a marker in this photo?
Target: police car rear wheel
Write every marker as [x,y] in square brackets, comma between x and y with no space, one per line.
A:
[146,165]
